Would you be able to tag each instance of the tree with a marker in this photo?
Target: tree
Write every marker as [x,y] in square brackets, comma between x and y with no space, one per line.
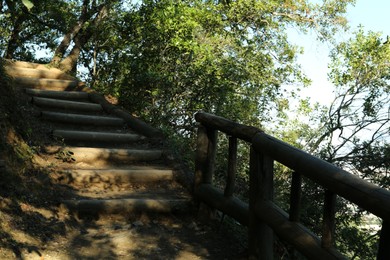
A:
[356,130]
[28,26]
[228,57]
[87,25]
[352,133]
[37,25]
[165,60]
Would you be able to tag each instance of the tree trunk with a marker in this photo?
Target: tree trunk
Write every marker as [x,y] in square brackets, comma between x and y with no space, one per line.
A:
[69,63]
[64,45]
[60,51]
[15,37]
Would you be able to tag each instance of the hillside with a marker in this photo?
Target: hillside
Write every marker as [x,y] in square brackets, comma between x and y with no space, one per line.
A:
[36,225]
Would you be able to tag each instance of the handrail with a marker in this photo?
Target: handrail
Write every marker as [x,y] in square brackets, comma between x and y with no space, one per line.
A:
[361,192]
[264,150]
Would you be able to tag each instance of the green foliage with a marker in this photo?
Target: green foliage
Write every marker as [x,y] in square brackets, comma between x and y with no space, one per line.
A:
[359,114]
[175,58]
[230,58]
[352,133]
[30,26]
[357,243]
[172,59]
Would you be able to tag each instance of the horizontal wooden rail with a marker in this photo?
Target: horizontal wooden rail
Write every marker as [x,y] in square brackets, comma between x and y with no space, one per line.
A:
[262,213]
[364,194]
[298,235]
[231,128]
[232,206]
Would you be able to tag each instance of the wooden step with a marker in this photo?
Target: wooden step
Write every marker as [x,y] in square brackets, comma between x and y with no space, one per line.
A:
[82,119]
[128,205]
[59,74]
[67,105]
[105,156]
[117,176]
[48,84]
[87,154]
[67,95]
[16,71]
[90,136]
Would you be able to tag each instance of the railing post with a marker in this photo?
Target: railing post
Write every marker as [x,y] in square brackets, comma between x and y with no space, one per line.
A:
[384,241]
[205,156]
[260,235]
[295,197]
[232,167]
[295,204]
[328,219]
[204,164]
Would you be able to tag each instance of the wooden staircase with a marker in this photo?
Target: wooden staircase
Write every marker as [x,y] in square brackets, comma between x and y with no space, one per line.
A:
[112,168]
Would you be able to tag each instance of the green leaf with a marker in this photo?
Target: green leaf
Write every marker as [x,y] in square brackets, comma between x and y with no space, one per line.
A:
[28,4]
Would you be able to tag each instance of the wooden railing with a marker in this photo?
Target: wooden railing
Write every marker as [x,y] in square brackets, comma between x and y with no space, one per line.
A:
[262,216]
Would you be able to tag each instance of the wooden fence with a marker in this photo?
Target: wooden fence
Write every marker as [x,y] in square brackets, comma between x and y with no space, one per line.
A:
[262,216]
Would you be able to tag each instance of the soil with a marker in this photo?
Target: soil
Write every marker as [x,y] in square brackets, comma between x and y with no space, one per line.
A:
[35,225]
[49,232]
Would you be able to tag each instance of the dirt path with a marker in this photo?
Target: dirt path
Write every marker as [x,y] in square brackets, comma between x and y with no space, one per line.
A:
[40,233]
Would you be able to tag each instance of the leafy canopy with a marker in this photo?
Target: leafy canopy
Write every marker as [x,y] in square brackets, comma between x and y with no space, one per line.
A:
[172,58]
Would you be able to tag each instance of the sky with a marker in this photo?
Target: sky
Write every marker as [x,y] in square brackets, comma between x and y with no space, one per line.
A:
[371,14]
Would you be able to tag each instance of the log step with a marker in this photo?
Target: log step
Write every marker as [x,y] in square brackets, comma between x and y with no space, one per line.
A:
[105,156]
[16,71]
[89,136]
[128,205]
[49,84]
[67,95]
[66,104]
[82,119]
[117,176]
[12,64]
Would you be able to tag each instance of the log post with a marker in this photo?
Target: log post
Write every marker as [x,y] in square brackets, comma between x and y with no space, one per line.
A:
[232,167]
[295,204]
[260,235]
[384,242]
[295,197]
[328,219]
[205,156]
[204,164]
[201,156]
